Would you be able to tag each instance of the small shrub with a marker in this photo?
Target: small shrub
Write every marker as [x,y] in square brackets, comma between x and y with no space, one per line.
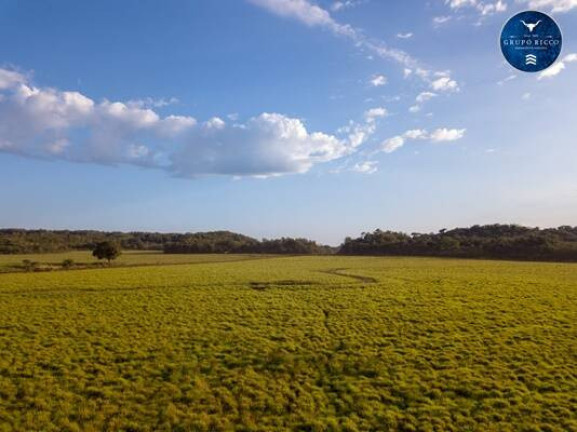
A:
[29,265]
[67,264]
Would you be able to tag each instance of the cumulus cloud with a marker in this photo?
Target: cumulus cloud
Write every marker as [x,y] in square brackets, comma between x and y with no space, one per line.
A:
[267,145]
[558,67]
[215,123]
[53,124]
[445,84]
[445,135]
[375,113]
[378,80]
[438,135]
[10,78]
[552,5]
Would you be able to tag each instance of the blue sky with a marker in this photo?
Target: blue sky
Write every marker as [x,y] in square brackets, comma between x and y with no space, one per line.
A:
[307,118]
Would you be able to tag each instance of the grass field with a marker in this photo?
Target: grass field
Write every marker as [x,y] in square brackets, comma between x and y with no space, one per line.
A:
[12,263]
[299,343]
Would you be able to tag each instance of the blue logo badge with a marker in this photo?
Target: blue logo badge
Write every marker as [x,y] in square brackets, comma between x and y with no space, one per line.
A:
[531,41]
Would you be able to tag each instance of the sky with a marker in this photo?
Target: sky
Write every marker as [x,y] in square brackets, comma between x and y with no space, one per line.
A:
[304,118]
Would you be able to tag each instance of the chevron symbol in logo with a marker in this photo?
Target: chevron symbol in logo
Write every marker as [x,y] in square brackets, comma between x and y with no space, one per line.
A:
[531,59]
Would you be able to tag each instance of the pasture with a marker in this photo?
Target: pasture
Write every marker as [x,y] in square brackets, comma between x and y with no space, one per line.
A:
[245,343]
[83,259]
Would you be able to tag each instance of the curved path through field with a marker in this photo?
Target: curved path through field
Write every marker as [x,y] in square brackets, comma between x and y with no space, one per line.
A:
[341,272]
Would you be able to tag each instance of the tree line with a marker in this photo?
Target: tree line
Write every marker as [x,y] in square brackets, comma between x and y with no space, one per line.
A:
[512,242]
[20,241]
[487,241]
[228,242]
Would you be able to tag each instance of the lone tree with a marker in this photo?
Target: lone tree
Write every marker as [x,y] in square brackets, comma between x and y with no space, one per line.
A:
[107,250]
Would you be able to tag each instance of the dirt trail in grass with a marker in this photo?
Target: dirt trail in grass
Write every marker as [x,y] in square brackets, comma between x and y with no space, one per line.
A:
[341,272]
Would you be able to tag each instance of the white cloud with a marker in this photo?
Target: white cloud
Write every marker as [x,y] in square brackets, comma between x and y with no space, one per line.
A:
[378,80]
[215,123]
[416,134]
[444,135]
[440,20]
[438,135]
[507,79]
[456,4]
[313,15]
[420,100]
[445,84]
[424,97]
[53,124]
[173,125]
[482,7]
[552,5]
[526,96]
[491,8]
[307,13]
[558,67]
[269,144]
[152,102]
[374,113]
[368,167]
[345,4]
[393,144]
[552,71]
[9,78]
[358,133]
[407,35]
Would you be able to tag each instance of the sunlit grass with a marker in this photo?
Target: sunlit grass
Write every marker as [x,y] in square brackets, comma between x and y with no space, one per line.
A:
[53,261]
[307,343]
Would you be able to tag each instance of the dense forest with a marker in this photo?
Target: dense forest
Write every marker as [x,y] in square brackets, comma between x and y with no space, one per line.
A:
[488,241]
[17,241]
[227,242]
[20,241]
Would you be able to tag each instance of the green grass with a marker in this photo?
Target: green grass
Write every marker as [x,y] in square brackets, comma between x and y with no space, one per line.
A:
[12,263]
[305,343]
